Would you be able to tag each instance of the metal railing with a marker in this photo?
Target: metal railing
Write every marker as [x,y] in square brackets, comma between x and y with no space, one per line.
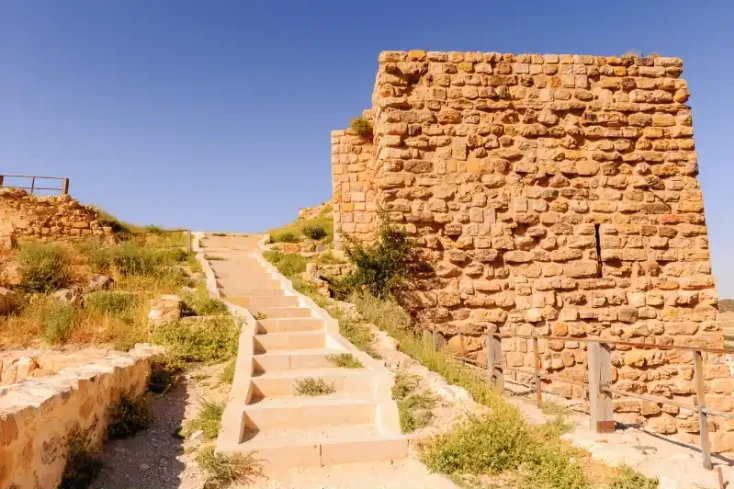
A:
[599,385]
[64,189]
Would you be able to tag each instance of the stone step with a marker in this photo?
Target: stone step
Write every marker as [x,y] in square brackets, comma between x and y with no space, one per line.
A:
[254,302]
[284,312]
[275,384]
[284,325]
[290,360]
[289,341]
[233,284]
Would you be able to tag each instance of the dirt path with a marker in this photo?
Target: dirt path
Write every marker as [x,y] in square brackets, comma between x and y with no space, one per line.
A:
[158,458]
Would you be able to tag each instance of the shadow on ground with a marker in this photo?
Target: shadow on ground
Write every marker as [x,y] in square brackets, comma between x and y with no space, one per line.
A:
[149,460]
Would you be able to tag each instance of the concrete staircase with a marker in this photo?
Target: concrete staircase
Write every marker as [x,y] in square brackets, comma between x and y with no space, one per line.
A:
[293,341]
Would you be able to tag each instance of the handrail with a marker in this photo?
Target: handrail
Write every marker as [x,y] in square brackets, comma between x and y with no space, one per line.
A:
[599,371]
[64,189]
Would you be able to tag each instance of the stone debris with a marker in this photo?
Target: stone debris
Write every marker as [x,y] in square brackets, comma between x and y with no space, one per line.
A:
[164,310]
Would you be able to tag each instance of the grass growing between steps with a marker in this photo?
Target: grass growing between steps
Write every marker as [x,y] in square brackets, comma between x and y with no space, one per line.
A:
[344,360]
[313,387]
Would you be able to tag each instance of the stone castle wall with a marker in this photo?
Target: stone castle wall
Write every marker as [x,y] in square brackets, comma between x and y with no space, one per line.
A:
[25,217]
[556,194]
[353,186]
[37,416]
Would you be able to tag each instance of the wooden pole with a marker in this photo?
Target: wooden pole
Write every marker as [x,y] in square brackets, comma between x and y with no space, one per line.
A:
[538,386]
[1,181]
[703,420]
[65,187]
[600,375]
[494,362]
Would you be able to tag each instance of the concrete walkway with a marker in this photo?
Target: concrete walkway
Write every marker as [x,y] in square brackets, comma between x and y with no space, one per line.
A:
[293,339]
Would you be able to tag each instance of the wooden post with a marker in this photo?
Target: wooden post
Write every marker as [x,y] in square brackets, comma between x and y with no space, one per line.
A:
[188,240]
[65,187]
[33,184]
[1,180]
[600,376]
[538,386]
[703,420]
[494,362]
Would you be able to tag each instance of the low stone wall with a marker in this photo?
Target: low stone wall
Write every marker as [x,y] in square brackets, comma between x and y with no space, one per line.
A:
[18,365]
[26,217]
[37,416]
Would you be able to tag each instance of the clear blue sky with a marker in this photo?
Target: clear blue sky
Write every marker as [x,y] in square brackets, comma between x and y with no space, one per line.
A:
[215,115]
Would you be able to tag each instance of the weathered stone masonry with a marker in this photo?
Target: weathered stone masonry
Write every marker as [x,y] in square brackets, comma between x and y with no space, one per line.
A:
[554,194]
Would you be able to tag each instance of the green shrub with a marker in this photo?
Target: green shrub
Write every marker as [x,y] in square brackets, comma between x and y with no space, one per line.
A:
[58,321]
[362,127]
[119,304]
[313,387]
[132,258]
[224,469]
[380,267]
[314,232]
[208,420]
[164,375]
[627,478]
[201,303]
[211,341]
[285,237]
[44,267]
[129,416]
[83,465]
[289,264]
[413,404]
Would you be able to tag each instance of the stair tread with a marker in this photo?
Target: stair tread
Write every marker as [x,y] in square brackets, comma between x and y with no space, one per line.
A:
[343,398]
[307,351]
[313,372]
[312,435]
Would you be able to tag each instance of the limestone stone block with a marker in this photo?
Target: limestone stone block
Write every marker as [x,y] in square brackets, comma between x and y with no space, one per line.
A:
[165,309]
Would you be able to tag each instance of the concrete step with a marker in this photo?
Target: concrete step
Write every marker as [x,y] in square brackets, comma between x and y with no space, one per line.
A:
[284,312]
[356,382]
[325,445]
[233,284]
[260,292]
[289,341]
[289,360]
[254,302]
[325,412]
[284,325]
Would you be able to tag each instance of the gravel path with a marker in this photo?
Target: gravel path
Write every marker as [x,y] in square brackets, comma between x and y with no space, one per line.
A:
[157,458]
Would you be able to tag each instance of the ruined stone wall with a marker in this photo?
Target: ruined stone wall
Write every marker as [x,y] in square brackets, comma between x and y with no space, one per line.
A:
[555,194]
[25,217]
[353,186]
[37,416]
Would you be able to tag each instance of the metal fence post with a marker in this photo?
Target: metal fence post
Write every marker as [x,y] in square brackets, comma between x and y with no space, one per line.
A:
[33,184]
[536,363]
[600,377]
[1,181]
[703,420]
[65,187]
[494,362]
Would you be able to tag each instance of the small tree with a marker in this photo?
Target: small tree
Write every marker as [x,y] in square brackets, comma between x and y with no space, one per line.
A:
[381,266]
